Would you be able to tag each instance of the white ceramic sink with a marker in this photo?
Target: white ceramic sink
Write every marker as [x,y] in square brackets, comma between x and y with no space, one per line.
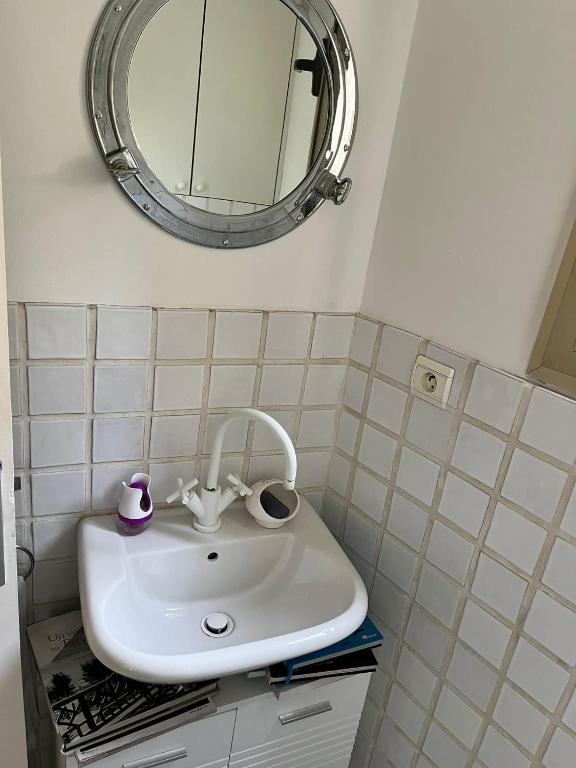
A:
[288,592]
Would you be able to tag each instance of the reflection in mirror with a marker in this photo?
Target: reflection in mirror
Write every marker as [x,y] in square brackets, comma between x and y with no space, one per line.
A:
[228,102]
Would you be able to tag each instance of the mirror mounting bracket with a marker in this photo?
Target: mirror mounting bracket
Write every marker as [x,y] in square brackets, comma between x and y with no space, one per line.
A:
[333,188]
[122,164]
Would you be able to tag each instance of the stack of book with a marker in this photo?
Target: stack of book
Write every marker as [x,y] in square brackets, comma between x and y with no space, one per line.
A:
[350,656]
[90,705]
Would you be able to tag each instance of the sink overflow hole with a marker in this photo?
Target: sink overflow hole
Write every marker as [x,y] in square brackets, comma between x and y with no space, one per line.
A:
[213,556]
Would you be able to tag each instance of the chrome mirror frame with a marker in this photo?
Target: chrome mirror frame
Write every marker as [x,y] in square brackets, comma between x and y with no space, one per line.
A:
[115,39]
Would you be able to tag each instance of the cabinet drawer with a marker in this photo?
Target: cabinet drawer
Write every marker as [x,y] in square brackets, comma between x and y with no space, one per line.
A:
[202,744]
[314,729]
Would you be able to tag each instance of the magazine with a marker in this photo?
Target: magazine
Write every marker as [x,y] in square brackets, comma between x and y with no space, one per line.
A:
[350,664]
[87,700]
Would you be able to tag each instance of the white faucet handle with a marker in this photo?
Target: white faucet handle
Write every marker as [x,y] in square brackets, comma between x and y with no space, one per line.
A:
[238,486]
[183,491]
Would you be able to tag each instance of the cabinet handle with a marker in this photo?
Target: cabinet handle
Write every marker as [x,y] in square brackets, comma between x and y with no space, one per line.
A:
[162,759]
[303,714]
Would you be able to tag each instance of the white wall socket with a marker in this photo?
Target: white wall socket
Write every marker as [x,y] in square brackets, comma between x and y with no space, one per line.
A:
[432,381]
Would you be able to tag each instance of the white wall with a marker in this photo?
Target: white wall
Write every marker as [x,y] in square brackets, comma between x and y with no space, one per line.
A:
[479,199]
[73,236]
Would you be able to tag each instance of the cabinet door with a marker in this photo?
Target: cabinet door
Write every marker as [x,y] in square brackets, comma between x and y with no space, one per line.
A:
[310,730]
[202,744]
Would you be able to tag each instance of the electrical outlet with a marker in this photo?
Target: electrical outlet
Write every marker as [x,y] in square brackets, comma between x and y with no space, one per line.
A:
[432,381]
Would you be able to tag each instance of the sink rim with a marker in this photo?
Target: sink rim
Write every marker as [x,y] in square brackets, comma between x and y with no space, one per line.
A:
[216,662]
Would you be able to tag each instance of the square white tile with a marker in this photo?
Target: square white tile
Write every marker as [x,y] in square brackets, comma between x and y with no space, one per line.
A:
[165,478]
[416,677]
[397,563]
[538,675]
[560,573]
[497,751]
[387,405]
[288,336]
[178,387]
[317,429]
[123,333]
[363,341]
[361,535]
[56,331]
[407,715]
[15,393]
[235,438]
[388,603]
[355,389]
[120,388]
[499,587]
[437,595]
[182,335]
[174,436]
[494,398]
[561,752]
[332,336]
[377,451]
[550,425]
[54,389]
[57,442]
[478,453]
[471,676]
[229,464]
[324,384]
[231,386]
[464,504]
[515,538]
[54,538]
[13,332]
[569,716]
[448,551]
[569,520]
[444,750]
[553,625]
[339,474]
[18,439]
[394,746]
[429,427]
[265,440]
[281,384]
[369,495]
[398,353]
[347,432]
[58,493]
[520,719]
[107,485]
[267,468]
[460,365]
[331,511]
[485,634]
[237,334]
[407,522]
[533,484]
[54,581]
[418,475]
[426,638]
[118,439]
[312,469]
[460,719]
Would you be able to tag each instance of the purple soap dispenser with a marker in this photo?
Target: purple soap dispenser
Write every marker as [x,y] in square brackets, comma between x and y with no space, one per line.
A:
[135,508]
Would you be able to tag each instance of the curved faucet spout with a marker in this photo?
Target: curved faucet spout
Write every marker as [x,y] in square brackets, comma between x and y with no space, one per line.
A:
[274,426]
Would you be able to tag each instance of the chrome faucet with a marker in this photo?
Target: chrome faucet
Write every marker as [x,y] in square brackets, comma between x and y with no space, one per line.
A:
[208,506]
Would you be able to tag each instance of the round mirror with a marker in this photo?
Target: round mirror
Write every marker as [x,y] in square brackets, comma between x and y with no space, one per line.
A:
[227,121]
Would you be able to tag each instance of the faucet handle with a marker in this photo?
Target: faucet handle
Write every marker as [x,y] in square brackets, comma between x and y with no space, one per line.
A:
[183,491]
[238,486]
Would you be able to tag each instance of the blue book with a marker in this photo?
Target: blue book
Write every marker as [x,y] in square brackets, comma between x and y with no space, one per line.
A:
[366,636]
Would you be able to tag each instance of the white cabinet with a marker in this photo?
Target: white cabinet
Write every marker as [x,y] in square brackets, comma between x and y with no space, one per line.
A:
[311,727]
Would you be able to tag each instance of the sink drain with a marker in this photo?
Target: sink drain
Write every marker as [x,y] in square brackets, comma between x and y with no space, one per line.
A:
[217,625]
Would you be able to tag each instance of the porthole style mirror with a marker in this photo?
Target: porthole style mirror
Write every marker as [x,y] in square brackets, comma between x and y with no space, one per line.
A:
[227,122]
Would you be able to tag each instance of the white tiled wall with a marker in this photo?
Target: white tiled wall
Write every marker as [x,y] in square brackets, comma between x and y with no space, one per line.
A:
[102,392]
[462,522]
[463,525]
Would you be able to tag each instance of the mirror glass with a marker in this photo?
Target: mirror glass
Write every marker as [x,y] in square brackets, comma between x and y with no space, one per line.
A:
[228,101]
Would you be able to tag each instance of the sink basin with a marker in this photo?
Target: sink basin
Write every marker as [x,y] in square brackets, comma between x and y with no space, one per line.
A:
[285,592]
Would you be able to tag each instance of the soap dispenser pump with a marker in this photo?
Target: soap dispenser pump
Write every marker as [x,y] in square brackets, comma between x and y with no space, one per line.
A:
[135,509]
